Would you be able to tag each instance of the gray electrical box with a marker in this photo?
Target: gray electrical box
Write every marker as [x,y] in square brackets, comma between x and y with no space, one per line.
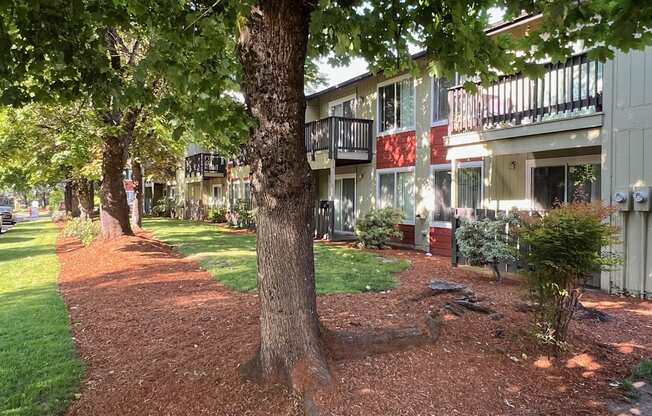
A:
[641,198]
[623,199]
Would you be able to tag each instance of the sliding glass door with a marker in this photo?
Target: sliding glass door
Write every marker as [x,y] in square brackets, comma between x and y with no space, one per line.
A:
[345,204]
[553,185]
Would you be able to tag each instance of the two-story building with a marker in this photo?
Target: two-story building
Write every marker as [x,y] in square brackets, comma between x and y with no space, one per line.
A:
[426,145]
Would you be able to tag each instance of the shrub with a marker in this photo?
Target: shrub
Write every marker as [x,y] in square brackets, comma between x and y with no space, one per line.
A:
[217,214]
[59,216]
[486,242]
[85,230]
[565,247]
[379,226]
[55,198]
[241,216]
[163,207]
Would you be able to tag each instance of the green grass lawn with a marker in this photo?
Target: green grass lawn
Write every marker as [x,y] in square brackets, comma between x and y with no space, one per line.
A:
[39,368]
[231,258]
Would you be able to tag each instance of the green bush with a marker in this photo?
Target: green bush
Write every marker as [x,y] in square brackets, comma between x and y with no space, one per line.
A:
[86,230]
[55,198]
[163,207]
[218,214]
[565,247]
[378,227]
[241,216]
[486,242]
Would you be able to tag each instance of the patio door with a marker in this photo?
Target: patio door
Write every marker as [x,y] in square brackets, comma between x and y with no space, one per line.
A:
[345,204]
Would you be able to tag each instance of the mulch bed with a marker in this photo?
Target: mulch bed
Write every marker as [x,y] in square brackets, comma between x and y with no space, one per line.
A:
[161,337]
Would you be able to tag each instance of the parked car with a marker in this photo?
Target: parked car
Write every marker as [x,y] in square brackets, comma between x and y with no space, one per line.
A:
[7,214]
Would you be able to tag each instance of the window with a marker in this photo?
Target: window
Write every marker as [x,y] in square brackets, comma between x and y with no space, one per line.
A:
[396,189]
[247,192]
[342,108]
[553,184]
[396,105]
[440,88]
[232,195]
[441,178]
[469,187]
[217,195]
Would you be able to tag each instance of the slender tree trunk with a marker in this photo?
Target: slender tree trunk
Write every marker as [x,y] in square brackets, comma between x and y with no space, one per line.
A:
[272,50]
[72,203]
[137,204]
[114,212]
[85,195]
[67,197]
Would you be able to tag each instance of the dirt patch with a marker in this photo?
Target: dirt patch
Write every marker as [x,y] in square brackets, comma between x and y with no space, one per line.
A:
[160,337]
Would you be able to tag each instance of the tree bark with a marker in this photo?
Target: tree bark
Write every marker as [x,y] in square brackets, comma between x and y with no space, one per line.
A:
[137,204]
[85,193]
[272,50]
[114,212]
[71,199]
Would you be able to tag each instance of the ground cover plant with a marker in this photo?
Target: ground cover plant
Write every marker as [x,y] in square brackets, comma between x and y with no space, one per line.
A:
[40,371]
[86,230]
[230,257]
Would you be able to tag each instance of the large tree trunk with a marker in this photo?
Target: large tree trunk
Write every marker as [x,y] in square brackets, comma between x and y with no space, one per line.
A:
[272,50]
[85,192]
[137,204]
[114,212]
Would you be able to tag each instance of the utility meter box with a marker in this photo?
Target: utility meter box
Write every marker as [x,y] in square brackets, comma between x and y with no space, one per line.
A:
[622,199]
[641,198]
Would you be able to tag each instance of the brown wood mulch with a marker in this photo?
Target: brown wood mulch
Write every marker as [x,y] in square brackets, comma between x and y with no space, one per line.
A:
[160,337]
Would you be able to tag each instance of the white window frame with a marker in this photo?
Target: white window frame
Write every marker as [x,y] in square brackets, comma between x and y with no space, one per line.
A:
[355,198]
[395,171]
[379,122]
[473,164]
[555,161]
[220,187]
[351,97]
[433,168]
[433,98]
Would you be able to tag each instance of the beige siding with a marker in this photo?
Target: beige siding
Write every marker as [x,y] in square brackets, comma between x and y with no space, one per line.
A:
[506,179]
[627,155]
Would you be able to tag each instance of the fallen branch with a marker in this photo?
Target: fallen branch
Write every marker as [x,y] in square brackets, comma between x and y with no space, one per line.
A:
[455,309]
[349,344]
[475,306]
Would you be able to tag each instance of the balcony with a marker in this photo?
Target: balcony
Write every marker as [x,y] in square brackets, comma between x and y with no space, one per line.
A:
[566,90]
[343,138]
[205,166]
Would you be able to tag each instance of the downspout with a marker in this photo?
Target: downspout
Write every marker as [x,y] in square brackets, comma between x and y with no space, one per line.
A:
[644,236]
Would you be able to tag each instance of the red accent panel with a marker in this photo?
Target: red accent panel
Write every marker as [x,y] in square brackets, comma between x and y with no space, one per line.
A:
[440,241]
[437,149]
[396,150]
[408,234]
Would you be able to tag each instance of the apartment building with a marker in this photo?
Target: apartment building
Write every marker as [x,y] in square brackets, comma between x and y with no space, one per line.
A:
[426,145]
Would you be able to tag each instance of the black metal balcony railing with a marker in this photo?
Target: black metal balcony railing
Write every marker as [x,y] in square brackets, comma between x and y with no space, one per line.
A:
[566,89]
[339,135]
[206,165]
